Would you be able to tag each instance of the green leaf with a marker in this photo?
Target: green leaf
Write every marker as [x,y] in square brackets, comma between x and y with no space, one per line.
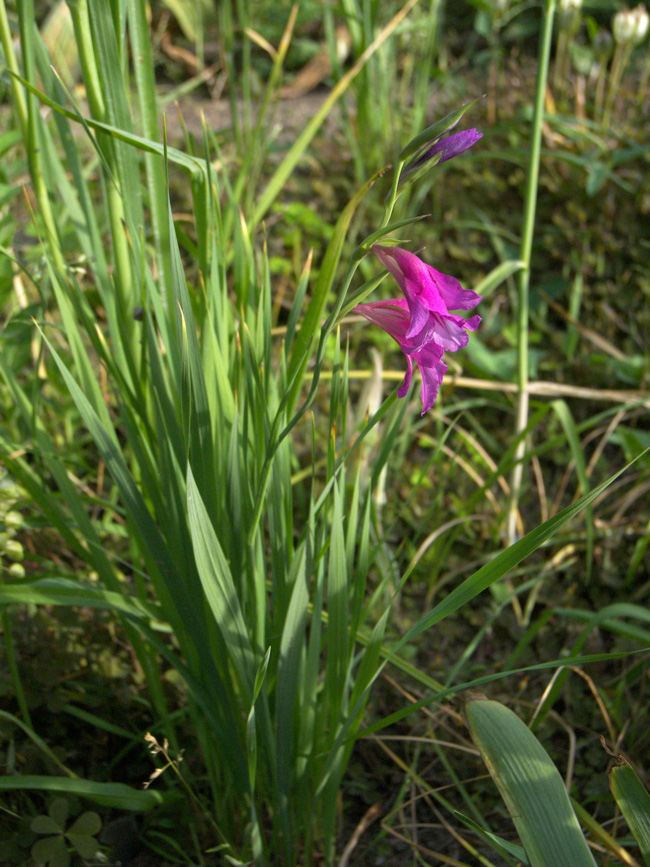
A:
[174,591]
[45,825]
[88,824]
[142,144]
[86,845]
[59,811]
[501,846]
[365,246]
[634,801]
[52,851]
[64,591]
[289,670]
[530,785]
[219,588]
[117,795]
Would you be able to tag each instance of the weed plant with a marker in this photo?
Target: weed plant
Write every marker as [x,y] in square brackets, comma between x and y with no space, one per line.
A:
[188,455]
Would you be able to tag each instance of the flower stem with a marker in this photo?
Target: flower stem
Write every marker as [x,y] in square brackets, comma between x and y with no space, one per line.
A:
[523,281]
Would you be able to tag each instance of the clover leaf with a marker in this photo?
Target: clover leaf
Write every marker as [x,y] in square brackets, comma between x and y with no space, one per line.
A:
[53,850]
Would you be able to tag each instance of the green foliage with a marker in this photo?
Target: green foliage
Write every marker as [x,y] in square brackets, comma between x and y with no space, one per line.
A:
[53,848]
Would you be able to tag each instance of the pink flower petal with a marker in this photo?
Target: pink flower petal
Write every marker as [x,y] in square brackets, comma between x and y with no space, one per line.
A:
[421,322]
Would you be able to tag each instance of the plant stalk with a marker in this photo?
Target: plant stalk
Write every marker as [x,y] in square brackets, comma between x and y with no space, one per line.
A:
[523,277]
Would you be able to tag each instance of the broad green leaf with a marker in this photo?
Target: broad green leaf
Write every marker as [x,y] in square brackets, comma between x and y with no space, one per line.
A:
[288,671]
[86,846]
[530,785]
[634,802]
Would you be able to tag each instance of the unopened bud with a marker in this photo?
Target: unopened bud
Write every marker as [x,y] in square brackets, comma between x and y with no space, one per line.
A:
[570,5]
[13,520]
[631,25]
[14,550]
[569,15]
[642,23]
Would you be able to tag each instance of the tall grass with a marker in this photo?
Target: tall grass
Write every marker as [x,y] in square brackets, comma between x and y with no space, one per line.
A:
[247,582]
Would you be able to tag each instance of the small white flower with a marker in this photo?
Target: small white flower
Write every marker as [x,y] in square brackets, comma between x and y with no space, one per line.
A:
[631,25]
[642,23]
[570,5]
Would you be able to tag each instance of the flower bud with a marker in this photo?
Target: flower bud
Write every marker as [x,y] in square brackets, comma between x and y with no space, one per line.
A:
[14,550]
[631,25]
[642,23]
[14,520]
[569,15]
[16,570]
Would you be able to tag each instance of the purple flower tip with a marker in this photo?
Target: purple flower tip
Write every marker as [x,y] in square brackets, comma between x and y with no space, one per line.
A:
[447,148]
[421,322]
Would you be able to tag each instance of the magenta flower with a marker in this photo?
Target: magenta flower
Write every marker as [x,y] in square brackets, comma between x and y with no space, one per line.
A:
[421,322]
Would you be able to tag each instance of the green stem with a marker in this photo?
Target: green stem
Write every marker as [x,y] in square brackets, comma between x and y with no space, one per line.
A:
[6,41]
[393,195]
[523,280]
[621,59]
